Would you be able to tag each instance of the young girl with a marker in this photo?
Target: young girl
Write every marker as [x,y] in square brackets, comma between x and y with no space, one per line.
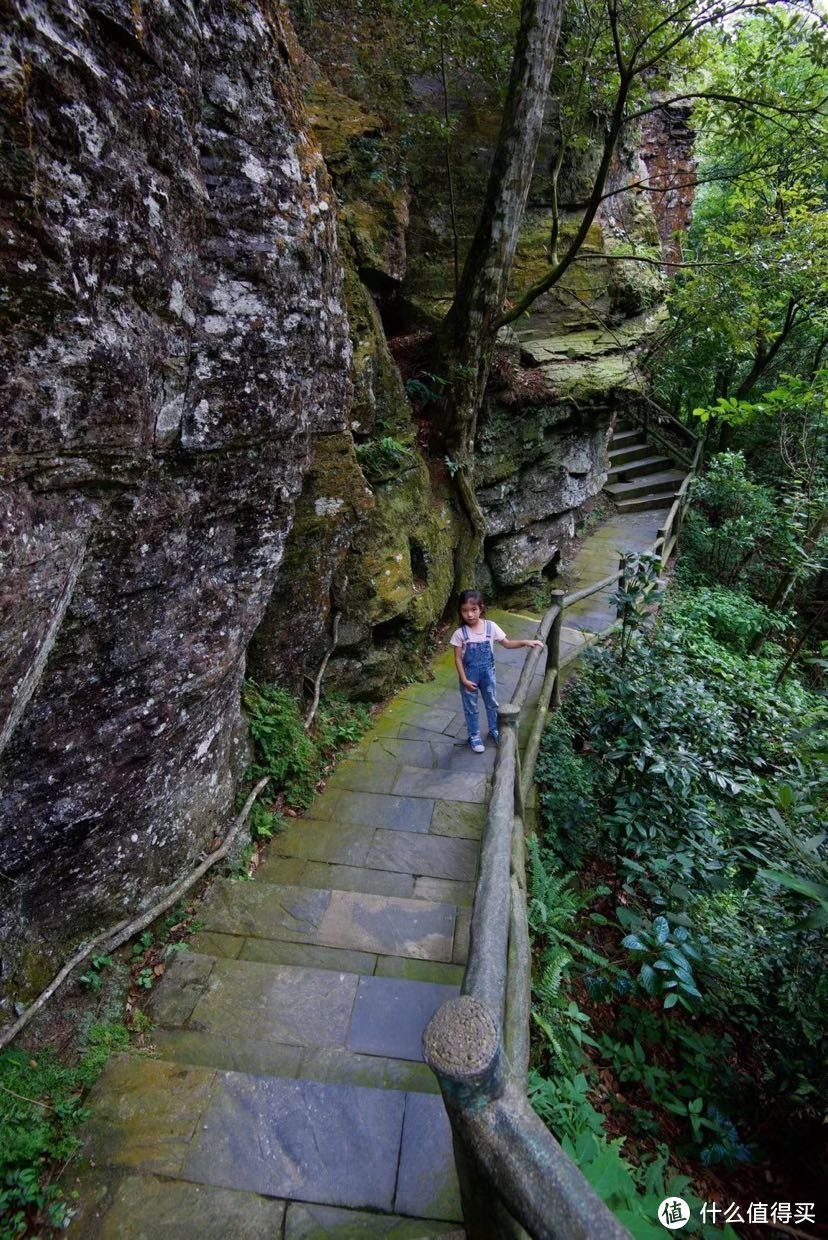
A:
[473,646]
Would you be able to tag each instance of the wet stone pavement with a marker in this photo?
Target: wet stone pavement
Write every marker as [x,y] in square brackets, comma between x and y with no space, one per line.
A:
[289,1097]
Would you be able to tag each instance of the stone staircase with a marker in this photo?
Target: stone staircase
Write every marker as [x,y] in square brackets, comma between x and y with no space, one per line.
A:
[639,479]
[289,1097]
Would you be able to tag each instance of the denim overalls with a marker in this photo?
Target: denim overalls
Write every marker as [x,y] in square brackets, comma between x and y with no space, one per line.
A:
[479,666]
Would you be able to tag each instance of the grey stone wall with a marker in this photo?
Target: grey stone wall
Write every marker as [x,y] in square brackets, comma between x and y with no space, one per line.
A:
[172,334]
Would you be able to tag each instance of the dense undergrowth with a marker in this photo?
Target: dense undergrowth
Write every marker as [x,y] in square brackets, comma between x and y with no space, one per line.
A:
[680,982]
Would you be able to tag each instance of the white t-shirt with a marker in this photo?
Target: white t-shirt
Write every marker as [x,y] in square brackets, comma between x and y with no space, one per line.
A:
[497,635]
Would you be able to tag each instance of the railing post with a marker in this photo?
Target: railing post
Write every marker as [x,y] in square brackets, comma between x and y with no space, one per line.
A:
[508,716]
[662,555]
[461,1045]
[622,581]
[553,645]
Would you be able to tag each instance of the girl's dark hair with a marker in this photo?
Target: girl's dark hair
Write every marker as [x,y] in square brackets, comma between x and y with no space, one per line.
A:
[470,596]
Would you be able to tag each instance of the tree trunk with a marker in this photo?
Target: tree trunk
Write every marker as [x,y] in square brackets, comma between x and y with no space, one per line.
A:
[466,337]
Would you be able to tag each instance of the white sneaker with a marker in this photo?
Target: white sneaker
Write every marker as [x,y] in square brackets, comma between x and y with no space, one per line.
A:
[477,744]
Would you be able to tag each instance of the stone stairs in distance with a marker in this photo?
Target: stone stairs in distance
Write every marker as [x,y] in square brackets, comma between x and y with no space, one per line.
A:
[289,1097]
[639,479]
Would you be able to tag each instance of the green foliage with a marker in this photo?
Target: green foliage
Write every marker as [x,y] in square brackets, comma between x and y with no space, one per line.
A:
[92,977]
[637,591]
[708,793]
[731,618]
[40,1110]
[284,751]
[666,957]
[292,758]
[566,793]
[732,519]
[384,459]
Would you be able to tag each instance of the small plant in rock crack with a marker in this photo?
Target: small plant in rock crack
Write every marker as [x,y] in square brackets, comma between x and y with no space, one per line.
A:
[92,977]
[145,978]
[666,956]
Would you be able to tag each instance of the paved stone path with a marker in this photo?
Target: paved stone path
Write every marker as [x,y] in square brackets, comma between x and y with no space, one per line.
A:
[289,1097]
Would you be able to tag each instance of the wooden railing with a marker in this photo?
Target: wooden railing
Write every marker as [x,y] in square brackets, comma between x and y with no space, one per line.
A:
[673,435]
[515,1180]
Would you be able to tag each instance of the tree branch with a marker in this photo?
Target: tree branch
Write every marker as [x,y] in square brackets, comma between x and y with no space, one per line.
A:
[118,934]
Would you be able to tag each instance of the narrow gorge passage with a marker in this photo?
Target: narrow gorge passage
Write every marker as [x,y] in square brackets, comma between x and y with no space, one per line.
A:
[288,1095]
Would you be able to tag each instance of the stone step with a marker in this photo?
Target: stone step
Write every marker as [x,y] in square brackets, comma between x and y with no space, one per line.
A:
[348,850]
[319,1143]
[130,1206]
[645,503]
[623,438]
[635,452]
[385,925]
[297,1021]
[664,482]
[634,469]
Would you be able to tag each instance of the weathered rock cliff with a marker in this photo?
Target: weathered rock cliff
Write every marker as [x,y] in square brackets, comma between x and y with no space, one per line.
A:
[173,334]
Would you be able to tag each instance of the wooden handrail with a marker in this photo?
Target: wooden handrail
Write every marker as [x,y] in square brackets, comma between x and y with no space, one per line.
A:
[515,1179]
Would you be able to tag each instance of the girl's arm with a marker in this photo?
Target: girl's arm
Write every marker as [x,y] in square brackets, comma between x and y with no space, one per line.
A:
[458,663]
[512,644]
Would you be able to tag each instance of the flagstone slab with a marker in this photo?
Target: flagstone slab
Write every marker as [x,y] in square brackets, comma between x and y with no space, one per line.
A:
[435,856]
[185,981]
[276,1003]
[431,718]
[345,1067]
[411,731]
[144,1113]
[458,818]
[420,970]
[377,881]
[317,840]
[395,813]
[332,1144]
[286,873]
[145,1207]
[310,955]
[391,1013]
[393,925]
[447,889]
[306,1222]
[214,1050]
[427,1185]
[325,803]
[264,910]
[389,925]
[226,946]
[445,785]
[460,758]
[365,777]
[399,751]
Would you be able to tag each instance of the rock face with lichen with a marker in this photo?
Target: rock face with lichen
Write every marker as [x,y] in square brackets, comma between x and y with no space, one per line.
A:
[173,336]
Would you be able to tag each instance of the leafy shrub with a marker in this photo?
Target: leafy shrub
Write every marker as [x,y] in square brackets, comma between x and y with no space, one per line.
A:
[730,617]
[707,792]
[291,757]
[731,519]
[566,793]
[40,1111]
